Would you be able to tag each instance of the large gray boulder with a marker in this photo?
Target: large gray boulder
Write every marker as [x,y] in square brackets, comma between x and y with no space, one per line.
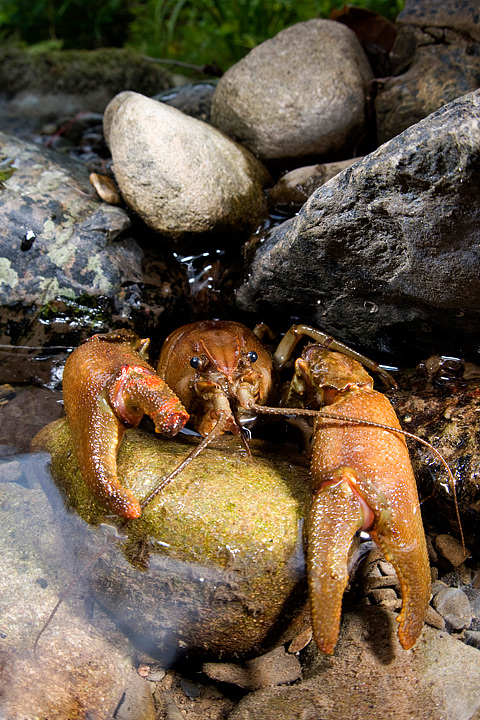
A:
[386,253]
[300,93]
[182,176]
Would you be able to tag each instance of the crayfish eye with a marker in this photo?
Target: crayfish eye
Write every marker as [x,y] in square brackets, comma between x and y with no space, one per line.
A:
[195,362]
[252,356]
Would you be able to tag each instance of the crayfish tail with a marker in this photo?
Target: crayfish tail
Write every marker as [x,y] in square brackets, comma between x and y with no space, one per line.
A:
[335,516]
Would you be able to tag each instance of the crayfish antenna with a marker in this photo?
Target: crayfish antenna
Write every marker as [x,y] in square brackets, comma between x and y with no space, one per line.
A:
[214,433]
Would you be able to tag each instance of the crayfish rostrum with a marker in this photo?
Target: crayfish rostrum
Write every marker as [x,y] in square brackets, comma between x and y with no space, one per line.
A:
[220,374]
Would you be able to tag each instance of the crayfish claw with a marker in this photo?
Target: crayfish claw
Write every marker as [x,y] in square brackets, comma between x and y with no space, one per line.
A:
[335,516]
[403,543]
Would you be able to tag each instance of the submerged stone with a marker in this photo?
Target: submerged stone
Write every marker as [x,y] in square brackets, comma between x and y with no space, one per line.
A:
[215,564]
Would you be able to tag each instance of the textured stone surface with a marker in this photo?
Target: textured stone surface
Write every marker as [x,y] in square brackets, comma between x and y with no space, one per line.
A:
[182,176]
[300,93]
[461,15]
[435,59]
[67,266]
[370,676]
[437,75]
[385,255]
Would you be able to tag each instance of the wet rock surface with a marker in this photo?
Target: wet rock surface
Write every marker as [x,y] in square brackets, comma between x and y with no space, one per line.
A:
[439,402]
[68,266]
[182,176]
[368,646]
[214,566]
[276,109]
[371,678]
[383,251]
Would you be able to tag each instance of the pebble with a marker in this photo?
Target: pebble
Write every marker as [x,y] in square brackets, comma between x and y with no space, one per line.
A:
[451,549]
[386,597]
[274,668]
[190,689]
[434,619]
[454,606]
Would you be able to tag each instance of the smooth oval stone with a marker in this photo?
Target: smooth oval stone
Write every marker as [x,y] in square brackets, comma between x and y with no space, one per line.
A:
[215,564]
[182,176]
[301,93]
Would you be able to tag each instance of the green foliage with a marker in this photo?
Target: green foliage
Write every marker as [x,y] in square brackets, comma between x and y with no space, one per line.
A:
[223,31]
[194,31]
[77,23]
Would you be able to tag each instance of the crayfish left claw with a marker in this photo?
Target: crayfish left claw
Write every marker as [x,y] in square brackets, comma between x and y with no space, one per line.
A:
[344,503]
[107,385]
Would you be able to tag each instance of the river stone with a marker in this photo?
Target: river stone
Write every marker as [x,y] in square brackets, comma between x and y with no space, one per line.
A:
[295,187]
[385,255]
[437,75]
[459,15]
[214,566]
[435,59]
[67,268]
[371,676]
[300,93]
[182,176]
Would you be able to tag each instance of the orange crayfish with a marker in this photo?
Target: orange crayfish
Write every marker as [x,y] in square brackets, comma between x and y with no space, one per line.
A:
[220,374]
[362,476]
[362,480]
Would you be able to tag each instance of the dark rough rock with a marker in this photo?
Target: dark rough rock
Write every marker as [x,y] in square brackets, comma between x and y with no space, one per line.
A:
[53,84]
[445,411]
[370,676]
[435,58]
[65,272]
[385,255]
[214,567]
[460,15]
[438,74]
[194,99]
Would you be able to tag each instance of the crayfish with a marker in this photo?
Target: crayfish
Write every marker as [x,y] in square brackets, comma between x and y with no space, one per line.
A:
[220,374]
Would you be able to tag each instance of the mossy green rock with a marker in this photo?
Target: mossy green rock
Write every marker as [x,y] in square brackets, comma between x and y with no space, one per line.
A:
[215,564]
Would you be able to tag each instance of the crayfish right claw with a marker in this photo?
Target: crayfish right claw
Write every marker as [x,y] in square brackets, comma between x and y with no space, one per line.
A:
[335,516]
